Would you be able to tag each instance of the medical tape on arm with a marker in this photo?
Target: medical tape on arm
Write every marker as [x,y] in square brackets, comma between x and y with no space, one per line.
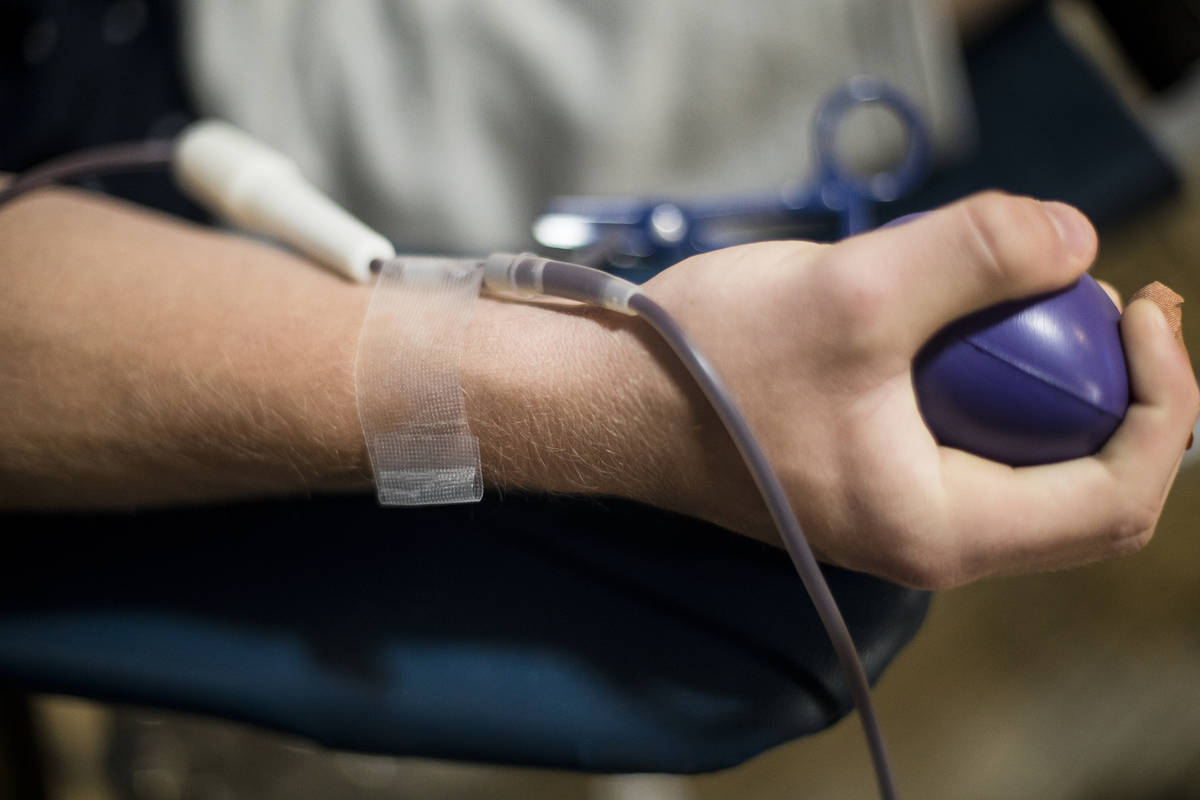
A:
[410,401]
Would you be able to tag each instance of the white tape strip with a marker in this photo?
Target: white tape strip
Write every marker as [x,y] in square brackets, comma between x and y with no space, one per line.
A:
[410,402]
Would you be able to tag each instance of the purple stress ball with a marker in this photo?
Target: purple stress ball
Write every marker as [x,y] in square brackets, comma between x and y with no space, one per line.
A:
[1027,382]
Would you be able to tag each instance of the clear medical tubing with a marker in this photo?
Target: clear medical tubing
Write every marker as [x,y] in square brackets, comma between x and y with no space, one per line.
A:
[531,274]
[149,154]
[240,179]
[785,521]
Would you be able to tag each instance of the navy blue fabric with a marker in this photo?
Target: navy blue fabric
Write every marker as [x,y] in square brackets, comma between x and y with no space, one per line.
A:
[601,636]
[80,90]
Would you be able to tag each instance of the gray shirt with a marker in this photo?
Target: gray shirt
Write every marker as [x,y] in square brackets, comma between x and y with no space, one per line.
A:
[447,124]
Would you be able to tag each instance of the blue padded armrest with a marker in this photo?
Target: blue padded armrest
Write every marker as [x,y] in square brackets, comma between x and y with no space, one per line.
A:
[601,636]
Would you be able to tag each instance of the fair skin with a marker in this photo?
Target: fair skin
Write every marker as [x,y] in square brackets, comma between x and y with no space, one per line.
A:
[148,362]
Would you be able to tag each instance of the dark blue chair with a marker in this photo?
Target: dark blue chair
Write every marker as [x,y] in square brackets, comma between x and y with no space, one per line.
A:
[592,635]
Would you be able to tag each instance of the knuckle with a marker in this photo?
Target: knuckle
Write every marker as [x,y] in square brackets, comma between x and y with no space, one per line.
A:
[926,574]
[1134,527]
[1006,234]
[1193,399]
[1132,544]
[855,305]
[923,561]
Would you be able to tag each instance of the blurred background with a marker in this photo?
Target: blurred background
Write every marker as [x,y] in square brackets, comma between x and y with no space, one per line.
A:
[1083,684]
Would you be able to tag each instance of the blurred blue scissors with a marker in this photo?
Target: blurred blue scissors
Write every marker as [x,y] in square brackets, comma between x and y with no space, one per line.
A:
[655,232]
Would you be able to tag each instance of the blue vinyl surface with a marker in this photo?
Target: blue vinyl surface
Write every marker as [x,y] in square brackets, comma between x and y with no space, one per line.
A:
[578,634]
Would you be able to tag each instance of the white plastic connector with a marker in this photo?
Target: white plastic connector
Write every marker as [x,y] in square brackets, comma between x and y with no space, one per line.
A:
[527,275]
[259,189]
[500,274]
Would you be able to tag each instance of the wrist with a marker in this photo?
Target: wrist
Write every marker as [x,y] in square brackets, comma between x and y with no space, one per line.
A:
[576,400]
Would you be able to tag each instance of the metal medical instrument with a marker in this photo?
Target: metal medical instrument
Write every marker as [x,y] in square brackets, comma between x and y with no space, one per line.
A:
[626,232]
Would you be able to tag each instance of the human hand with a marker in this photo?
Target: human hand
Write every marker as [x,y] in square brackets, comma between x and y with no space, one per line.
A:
[817,343]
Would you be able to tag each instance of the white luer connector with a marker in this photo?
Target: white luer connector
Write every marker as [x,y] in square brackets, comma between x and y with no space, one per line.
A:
[528,275]
[257,188]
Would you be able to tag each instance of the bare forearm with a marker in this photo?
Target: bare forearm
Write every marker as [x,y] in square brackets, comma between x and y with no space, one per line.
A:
[148,361]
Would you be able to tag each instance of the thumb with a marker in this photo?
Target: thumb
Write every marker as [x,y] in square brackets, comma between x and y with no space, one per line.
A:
[974,253]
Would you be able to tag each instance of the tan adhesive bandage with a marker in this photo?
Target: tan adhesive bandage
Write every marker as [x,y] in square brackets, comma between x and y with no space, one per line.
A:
[406,376]
[1168,302]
